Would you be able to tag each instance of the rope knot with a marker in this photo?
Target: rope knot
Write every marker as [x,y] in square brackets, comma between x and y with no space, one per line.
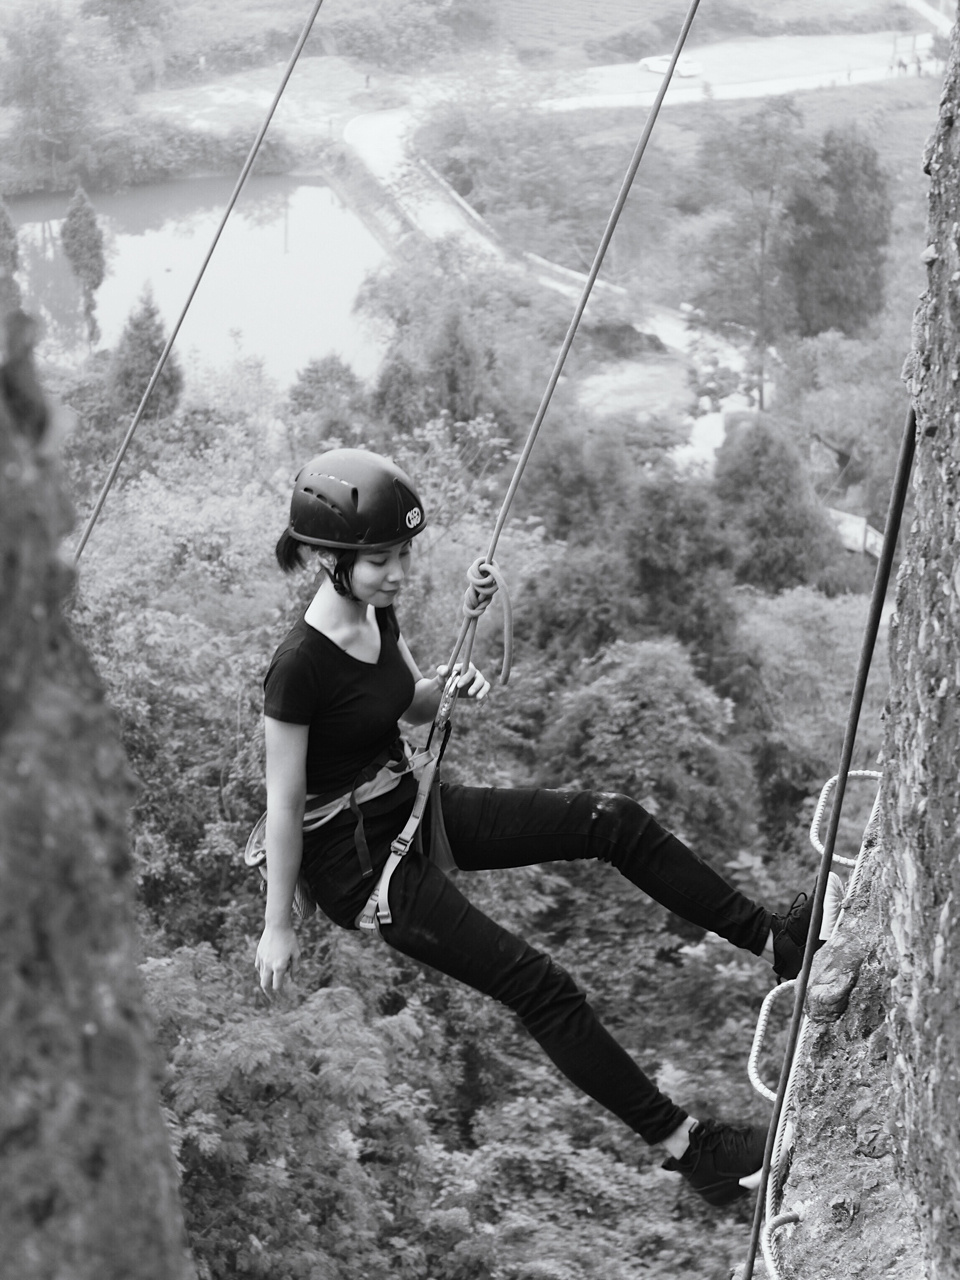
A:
[483,579]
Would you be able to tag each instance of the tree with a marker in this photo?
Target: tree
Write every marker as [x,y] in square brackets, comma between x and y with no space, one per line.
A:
[399,395]
[682,561]
[595,607]
[754,167]
[640,722]
[838,223]
[409,33]
[785,538]
[845,395]
[505,161]
[138,29]
[129,19]
[465,337]
[803,644]
[580,482]
[88,1184]
[326,385]
[82,242]
[9,261]
[44,77]
[134,360]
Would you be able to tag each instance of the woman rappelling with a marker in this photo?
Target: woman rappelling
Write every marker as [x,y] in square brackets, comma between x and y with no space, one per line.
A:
[340,787]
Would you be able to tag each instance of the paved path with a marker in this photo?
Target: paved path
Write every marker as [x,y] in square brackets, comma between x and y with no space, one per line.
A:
[379,139]
[753,69]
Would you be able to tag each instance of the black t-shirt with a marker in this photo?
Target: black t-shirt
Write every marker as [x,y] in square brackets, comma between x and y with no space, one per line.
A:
[351,706]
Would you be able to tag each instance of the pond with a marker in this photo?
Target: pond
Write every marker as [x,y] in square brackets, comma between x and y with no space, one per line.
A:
[280,286]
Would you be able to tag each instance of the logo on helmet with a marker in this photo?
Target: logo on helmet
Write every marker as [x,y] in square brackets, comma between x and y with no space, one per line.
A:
[414,516]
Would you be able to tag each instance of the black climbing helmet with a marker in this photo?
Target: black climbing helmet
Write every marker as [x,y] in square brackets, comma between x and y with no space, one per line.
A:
[355,501]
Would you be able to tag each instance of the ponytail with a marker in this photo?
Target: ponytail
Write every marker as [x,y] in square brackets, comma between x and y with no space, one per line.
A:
[288,553]
[338,564]
[341,574]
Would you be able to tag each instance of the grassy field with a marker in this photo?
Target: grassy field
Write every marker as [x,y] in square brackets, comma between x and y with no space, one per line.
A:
[572,22]
[898,118]
[566,23]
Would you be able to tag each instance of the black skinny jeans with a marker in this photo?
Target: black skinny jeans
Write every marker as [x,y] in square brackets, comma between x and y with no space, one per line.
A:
[491,828]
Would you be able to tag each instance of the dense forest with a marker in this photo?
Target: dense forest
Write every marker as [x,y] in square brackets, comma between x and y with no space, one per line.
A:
[685,635]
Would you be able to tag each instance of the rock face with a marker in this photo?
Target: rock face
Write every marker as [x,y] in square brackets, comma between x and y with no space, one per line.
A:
[88,1188]
[922,829]
[843,1180]
[875,1175]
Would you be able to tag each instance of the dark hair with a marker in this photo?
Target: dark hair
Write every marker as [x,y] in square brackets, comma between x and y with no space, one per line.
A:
[289,553]
[342,571]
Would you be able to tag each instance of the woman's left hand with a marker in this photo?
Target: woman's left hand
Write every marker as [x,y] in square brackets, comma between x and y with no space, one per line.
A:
[472,683]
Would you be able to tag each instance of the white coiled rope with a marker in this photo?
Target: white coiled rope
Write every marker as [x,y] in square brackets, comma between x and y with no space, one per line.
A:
[774,1217]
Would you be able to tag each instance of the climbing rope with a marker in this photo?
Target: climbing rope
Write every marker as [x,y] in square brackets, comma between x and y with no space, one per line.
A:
[484,576]
[244,173]
[898,498]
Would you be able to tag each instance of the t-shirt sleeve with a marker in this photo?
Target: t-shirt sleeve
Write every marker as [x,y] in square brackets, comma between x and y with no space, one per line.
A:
[291,688]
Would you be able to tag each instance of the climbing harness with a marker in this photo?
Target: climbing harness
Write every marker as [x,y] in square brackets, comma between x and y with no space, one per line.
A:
[241,181]
[377,909]
[379,778]
[898,498]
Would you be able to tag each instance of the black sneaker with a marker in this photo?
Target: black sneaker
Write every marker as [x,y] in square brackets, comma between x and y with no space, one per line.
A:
[718,1156]
[790,931]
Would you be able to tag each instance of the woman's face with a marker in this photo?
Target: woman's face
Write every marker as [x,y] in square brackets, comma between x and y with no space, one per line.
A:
[377,576]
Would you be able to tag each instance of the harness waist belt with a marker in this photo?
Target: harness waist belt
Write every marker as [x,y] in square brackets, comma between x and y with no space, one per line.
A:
[384,780]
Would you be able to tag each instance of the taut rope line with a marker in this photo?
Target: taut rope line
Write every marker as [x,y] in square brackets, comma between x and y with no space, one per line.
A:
[483,571]
[244,173]
[898,498]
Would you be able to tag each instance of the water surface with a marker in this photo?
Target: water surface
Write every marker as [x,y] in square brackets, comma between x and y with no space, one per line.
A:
[280,286]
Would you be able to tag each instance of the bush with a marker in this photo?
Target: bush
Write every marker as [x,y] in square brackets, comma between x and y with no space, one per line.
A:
[640,722]
[134,360]
[627,45]
[785,537]
[410,33]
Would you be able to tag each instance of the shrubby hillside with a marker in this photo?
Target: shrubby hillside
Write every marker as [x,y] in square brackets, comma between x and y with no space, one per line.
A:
[687,637]
[383,1118]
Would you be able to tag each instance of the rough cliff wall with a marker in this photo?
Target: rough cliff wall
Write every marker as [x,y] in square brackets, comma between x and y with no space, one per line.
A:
[876,1169]
[87,1184]
[922,814]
